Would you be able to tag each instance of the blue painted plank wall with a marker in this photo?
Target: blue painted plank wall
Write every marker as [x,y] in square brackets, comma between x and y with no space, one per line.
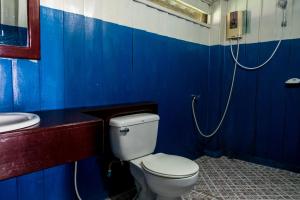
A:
[262,124]
[52,63]
[6,89]
[87,62]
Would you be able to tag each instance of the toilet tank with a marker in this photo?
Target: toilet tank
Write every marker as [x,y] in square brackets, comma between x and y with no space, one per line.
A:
[133,136]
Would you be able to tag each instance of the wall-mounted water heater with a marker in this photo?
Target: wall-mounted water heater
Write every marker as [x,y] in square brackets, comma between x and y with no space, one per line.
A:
[236,24]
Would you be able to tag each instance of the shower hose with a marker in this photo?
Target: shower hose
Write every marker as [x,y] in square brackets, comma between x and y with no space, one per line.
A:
[236,63]
[75,181]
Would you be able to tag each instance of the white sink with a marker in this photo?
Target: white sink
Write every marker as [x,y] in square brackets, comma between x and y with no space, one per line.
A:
[14,120]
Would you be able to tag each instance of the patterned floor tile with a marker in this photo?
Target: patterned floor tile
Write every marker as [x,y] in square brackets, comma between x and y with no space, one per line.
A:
[230,179]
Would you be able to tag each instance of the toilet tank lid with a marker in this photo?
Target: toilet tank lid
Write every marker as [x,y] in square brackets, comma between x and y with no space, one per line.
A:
[129,120]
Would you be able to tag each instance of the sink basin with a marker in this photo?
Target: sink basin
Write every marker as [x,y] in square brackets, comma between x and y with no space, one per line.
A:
[14,121]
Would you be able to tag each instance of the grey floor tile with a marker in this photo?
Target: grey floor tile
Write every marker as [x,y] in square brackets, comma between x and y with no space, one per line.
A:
[223,178]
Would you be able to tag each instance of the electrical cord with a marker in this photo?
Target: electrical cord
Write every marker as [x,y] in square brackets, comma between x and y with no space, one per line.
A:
[75,182]
[208,135]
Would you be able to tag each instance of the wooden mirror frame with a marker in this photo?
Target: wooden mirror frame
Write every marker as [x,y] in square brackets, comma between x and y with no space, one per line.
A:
[32,50]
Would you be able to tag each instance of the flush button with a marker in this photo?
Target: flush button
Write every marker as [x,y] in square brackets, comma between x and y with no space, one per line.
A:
[124,131]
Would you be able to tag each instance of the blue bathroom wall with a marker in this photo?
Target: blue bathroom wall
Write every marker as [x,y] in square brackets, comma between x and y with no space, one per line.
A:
[87,62]
[262,124]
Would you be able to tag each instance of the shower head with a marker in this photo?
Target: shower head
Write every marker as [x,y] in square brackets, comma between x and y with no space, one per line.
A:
[282,4]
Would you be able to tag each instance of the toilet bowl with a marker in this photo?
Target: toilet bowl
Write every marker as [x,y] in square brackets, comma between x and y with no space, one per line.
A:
[157,176]
[164,176]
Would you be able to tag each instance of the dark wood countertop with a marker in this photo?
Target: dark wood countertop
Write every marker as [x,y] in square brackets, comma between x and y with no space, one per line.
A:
[70,117]
[62,136]
[55,119]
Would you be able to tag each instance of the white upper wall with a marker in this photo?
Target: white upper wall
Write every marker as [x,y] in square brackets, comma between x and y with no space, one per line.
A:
[136,15]
[265,23]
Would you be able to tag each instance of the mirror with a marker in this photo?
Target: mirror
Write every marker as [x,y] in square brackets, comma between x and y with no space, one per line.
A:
[13,22]
[19,29]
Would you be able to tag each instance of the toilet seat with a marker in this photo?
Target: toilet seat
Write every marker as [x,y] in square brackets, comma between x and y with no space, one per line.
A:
[170,166]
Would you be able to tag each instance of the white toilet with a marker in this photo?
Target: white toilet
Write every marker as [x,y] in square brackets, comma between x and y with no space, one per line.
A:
[157,176]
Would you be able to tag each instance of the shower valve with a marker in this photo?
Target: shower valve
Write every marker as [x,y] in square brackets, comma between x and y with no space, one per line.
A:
[194,96]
